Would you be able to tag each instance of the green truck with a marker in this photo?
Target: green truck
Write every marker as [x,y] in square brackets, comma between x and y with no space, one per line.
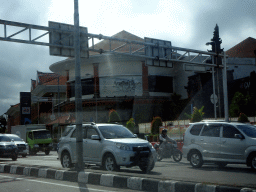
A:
[36,136]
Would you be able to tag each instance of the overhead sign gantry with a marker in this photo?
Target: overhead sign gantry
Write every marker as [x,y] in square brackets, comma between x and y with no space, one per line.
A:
[64,40]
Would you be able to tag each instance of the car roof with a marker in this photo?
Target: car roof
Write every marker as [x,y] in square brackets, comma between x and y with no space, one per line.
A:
[14,135]
[97,124]
[218,122]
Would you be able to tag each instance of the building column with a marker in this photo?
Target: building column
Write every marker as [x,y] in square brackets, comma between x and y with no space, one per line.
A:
[96,80]
[68,89]
[145,79]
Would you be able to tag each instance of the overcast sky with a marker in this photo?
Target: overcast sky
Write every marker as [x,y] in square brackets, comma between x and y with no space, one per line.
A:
[186,23]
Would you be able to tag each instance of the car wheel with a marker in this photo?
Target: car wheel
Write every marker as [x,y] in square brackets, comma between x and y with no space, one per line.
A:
[196,159]
[14,156]
[47,152]
[24,155]
[109,163]
[147,166]
[31,152]
[253,162]
[177,155]
[66,160]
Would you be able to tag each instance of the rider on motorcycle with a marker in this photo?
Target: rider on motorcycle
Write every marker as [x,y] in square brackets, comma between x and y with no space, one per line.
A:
[163,138]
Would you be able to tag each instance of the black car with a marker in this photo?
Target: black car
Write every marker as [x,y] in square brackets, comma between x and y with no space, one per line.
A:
[8,149]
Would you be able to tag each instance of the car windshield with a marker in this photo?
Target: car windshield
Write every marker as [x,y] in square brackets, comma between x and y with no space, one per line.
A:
[249,130]
[4,139]
[67,131]
[116,131]
[42,134]
[15,138]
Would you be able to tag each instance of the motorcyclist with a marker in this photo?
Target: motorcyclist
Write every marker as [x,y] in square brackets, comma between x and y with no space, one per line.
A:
[164,138]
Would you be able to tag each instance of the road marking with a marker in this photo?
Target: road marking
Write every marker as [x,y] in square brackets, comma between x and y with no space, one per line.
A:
[62,185]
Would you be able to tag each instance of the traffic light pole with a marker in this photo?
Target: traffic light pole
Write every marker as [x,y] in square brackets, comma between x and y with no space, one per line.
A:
[225,87]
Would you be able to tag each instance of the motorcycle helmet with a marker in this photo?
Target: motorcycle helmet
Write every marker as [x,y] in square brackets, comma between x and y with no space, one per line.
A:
[164,131]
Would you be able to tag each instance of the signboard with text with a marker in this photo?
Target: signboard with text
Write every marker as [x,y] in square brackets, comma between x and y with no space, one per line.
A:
[25,108]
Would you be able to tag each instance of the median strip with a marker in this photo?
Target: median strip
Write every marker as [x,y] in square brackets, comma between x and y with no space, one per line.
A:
[111,180]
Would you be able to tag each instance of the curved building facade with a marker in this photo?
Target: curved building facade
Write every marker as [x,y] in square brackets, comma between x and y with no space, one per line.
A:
[123,83]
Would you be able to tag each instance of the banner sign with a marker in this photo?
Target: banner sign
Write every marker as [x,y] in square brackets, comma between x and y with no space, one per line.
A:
[25,108]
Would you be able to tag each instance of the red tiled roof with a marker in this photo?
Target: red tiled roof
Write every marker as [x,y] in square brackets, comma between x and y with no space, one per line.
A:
[63,120]
[16,105]
[244,49]
[45,77]
[50,79]
[115,44]
[62,81]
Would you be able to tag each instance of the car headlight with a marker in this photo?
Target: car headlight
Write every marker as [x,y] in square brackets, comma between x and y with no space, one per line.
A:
[123,146]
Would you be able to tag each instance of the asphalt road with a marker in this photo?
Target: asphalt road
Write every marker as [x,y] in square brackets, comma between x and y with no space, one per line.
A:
[231,175]
[17,183]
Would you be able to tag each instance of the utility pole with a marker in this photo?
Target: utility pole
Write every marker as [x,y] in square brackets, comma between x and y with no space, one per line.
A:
[78,92]
[215,43]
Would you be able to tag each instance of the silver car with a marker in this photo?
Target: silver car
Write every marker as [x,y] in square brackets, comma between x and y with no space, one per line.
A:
[221,143]
[107,145]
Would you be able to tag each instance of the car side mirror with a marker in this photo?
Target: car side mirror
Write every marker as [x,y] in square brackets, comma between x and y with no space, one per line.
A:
[239,136]
[135,135]
[95,137]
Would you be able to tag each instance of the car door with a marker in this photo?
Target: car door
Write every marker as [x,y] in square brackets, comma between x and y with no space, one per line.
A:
[92,148]
[232,148]
[210,141]
[71,141]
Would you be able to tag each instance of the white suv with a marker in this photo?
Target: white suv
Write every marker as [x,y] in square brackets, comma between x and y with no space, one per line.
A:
[107,145]
[220,143]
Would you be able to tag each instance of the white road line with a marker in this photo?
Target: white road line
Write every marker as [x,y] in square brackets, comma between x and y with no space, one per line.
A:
[56,184]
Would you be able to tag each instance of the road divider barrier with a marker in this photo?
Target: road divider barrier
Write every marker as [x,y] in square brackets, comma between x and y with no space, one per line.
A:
[111,180]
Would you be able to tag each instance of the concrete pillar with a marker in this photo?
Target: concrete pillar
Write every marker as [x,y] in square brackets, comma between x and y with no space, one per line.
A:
[68,89]
[96,80]
[145,79]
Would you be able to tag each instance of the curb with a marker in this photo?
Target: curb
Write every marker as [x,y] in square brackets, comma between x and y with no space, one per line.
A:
[110,180]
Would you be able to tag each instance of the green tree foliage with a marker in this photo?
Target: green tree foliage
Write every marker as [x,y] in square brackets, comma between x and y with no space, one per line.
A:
[238,104]
[130,124]
[155,124]
[197,114]
[113,116]
[243,118]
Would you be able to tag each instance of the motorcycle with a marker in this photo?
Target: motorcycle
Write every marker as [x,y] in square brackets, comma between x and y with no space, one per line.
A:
[169,150]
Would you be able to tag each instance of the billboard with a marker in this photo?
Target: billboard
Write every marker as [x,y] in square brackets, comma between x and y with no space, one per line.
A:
[67,38]
[158,53]
[25,108]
